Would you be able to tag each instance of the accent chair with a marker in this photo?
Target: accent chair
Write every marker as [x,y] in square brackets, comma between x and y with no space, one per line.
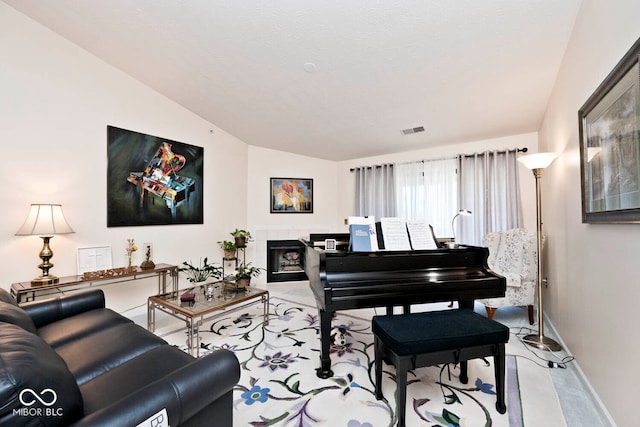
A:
[513,254]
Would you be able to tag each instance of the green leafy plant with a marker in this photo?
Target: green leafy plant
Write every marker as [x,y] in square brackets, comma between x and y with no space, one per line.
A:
[247,271]
[202,272]
[238,233]
[227,245]
[242,237]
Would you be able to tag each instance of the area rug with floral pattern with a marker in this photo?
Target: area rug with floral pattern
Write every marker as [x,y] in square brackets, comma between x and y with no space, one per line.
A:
[279,387]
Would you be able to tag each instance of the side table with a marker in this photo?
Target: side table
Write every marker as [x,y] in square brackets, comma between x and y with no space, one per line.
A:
[24,291]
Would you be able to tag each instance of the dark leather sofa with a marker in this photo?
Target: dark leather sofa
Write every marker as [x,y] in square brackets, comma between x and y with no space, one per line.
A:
[71,361]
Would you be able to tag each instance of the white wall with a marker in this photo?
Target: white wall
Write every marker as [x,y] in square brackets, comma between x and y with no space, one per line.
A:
[346,181]
[55,104]
[593,269]
[264,164]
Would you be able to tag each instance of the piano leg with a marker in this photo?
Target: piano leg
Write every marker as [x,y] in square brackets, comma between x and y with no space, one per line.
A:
[324,371]
[466,304]
[406,309]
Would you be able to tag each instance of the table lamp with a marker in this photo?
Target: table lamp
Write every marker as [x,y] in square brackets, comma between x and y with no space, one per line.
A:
[45,221]
[453,244]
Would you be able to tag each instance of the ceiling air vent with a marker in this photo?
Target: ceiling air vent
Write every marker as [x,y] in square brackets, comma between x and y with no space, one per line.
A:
[413,130]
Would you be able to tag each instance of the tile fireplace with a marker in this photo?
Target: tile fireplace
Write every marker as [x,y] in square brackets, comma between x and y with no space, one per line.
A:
[285,261]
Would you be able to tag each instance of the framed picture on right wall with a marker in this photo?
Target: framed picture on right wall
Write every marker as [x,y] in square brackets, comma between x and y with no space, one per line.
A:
[291,195]
[610,145]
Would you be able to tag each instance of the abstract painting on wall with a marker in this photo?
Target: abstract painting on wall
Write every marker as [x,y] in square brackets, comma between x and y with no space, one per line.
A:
[291,195]
[152,180]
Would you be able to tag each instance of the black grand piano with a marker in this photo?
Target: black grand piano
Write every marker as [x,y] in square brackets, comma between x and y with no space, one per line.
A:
[342,280]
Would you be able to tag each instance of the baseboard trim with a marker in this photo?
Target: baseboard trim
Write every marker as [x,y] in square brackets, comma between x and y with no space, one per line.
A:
[581,375]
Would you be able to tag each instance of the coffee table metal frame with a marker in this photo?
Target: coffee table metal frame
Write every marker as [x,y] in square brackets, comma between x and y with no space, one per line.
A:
[228,300]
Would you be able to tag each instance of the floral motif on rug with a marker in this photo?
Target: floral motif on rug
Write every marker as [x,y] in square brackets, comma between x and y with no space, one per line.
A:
[279,387]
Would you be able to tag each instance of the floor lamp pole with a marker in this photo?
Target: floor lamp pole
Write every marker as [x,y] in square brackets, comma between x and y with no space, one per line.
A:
[539,340]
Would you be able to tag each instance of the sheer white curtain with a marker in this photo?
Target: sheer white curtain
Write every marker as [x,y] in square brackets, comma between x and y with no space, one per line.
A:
[409,178]
[489,188]
[428,191]
[375,191]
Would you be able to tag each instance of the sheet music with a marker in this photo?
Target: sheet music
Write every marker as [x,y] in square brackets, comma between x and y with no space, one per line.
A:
[420,235]
[394,234]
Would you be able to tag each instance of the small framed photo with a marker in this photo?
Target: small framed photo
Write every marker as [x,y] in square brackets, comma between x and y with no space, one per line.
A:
[94,258]
[291,195]
[330,245]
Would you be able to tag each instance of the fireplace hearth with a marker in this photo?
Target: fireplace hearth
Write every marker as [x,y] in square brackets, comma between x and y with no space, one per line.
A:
[285,261]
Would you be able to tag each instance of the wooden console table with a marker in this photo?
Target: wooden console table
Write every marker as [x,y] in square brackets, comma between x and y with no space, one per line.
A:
[24,291]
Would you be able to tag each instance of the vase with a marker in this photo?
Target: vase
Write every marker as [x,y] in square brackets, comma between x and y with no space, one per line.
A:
[147,265]
[243,283]
[229,253]
[209,291]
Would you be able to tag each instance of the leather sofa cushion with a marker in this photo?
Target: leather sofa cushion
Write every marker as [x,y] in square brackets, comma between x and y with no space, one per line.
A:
[105,349]
[73,328]
[29,367]
[132,376]
[6,297]
[13,314]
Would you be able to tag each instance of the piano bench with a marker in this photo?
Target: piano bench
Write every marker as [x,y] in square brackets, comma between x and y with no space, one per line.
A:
[417,340]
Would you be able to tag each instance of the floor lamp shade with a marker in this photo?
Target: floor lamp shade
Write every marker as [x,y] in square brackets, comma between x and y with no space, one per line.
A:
[537,163]
[45,221]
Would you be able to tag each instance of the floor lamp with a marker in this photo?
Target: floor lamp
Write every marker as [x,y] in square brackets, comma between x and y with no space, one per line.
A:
[537,163]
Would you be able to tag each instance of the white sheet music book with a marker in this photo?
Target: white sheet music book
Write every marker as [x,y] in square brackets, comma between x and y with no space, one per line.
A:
[394,234]
[421,235]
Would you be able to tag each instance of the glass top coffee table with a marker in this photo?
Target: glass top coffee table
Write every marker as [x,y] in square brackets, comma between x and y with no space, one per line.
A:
[210,301]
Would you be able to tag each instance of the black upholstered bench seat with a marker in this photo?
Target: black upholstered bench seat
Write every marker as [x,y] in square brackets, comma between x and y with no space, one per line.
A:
[448,329]
[415,340]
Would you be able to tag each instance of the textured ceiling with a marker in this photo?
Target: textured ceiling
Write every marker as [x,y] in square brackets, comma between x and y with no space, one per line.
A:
[333,79]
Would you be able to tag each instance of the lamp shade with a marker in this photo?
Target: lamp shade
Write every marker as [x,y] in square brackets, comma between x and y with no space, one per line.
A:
[44,220]
[537,161]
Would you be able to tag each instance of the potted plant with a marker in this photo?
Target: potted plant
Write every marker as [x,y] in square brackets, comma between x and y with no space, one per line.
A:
[244,273]
[241,237]
[202,272]
[229,248]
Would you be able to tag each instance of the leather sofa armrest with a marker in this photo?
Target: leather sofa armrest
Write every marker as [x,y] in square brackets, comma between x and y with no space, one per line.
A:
[47,311]
[183,393]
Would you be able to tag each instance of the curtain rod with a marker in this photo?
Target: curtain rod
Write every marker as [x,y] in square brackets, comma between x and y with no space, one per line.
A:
[518,150]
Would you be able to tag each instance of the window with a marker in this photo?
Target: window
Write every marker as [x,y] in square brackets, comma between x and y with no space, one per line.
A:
[428,191]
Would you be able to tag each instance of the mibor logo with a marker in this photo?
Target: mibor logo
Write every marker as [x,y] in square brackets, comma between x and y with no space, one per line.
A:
[29,397]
